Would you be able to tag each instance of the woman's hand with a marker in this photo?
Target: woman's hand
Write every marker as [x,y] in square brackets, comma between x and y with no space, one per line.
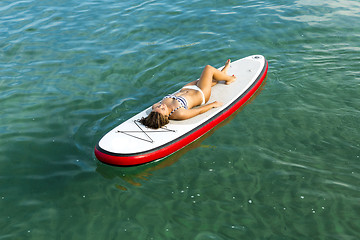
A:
[216,104]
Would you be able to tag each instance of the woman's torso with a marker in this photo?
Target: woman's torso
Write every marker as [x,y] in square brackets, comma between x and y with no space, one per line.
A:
[193,98]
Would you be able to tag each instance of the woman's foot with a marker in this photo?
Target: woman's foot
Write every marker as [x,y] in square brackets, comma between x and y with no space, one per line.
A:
[230,80]
[226,67]
[224,70]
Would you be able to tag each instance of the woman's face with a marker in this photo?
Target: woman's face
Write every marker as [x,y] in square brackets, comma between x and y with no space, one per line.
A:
[160,108]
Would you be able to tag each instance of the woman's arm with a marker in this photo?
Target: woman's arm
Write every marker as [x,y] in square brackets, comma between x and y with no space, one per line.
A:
[189,113]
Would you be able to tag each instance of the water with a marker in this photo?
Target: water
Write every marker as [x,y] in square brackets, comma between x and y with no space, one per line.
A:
[285,167]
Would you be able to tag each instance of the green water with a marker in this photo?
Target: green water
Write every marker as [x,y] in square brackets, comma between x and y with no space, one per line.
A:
[286,166]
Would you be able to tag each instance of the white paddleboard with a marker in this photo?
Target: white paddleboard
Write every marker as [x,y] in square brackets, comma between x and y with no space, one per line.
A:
[131,143]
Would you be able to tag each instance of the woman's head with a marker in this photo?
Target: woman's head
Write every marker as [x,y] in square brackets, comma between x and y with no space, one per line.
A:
[155,120]
[160,108]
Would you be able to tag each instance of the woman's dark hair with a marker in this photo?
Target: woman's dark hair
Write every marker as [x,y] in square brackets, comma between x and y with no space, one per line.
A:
[155,120]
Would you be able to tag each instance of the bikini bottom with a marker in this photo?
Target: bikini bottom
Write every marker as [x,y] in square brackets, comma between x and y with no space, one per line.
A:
[194,87]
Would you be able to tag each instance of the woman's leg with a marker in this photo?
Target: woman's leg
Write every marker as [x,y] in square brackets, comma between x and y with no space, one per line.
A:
[210,76]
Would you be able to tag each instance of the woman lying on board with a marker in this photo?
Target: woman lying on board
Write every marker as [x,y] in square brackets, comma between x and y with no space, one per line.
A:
[180,105]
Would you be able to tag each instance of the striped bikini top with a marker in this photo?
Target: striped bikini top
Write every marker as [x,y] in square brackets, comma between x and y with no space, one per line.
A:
[180,99]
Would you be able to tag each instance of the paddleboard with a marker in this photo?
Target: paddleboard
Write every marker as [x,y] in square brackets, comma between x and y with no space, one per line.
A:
[131,143]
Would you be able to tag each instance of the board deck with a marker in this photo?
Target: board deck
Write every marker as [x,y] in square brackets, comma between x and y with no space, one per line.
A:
[131,143]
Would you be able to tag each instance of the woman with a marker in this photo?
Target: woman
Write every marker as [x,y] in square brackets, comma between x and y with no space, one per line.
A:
[180,105]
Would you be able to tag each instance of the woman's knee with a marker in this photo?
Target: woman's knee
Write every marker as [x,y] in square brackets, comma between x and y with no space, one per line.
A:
[208,68]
